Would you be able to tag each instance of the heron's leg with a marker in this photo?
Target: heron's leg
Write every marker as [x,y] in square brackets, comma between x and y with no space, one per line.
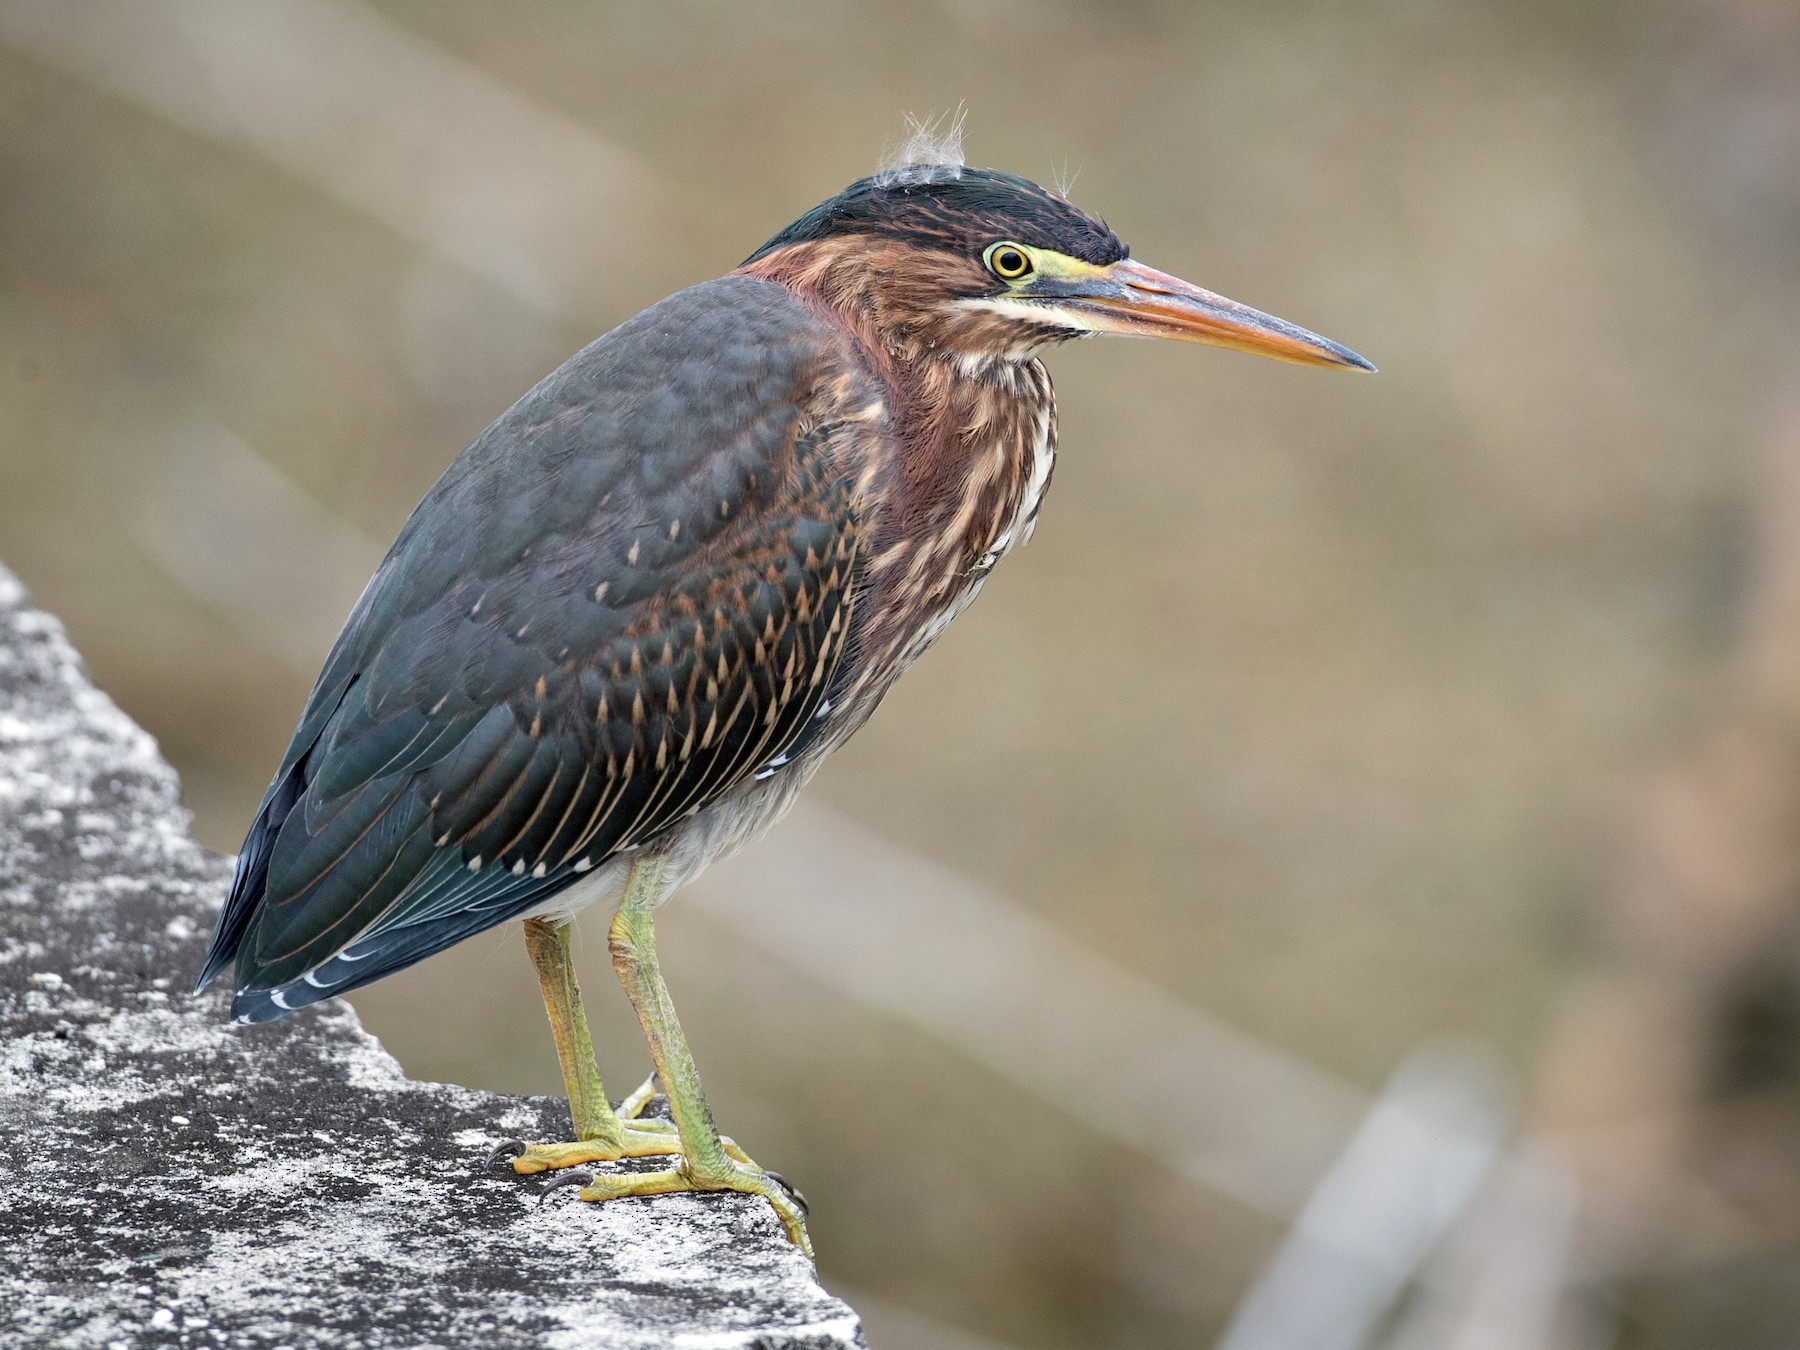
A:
[547,941]
[601,1134]
[707,1162]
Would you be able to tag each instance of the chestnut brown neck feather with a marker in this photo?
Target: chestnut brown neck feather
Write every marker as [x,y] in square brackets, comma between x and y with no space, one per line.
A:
[948,369]
[973,422]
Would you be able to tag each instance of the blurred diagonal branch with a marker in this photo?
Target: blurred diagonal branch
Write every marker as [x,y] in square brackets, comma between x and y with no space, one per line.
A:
[1498,1284]
[394,126]
[1407,1174]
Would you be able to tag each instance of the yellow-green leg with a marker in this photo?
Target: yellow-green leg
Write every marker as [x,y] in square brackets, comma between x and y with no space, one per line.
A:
[707,1162]
[601,1134]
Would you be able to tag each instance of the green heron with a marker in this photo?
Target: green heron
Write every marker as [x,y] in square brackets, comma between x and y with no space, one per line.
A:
[632,619]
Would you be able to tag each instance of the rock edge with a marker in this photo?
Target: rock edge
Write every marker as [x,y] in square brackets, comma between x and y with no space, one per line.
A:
[173,1180]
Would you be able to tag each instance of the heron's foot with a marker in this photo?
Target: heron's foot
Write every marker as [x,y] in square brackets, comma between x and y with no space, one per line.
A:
[729,1174]
[638,1139]
[625,1134]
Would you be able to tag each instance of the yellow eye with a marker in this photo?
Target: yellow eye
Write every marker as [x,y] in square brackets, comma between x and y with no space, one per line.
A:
[1009,262]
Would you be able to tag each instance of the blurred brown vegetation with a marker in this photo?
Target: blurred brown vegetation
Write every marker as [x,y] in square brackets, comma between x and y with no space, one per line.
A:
[1458,701]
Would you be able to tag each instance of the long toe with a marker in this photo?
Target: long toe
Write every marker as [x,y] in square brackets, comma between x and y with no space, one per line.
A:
[632,1143]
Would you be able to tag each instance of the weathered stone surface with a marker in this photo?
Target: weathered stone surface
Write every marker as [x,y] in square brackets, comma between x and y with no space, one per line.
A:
[167,1179]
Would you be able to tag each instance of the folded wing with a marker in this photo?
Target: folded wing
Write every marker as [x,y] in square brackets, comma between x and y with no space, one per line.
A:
[618,604]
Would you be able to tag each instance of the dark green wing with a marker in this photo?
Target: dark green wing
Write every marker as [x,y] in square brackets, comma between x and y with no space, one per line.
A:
[616,606]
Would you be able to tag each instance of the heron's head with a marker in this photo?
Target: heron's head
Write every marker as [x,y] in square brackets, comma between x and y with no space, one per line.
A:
[975,262]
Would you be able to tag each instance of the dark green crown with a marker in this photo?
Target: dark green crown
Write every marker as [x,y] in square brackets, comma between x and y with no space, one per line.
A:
[949,206]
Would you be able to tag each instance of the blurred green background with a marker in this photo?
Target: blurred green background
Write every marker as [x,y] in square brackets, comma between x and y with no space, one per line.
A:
[1318,706]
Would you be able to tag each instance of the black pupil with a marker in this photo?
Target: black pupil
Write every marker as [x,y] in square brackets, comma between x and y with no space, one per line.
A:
[1012,262]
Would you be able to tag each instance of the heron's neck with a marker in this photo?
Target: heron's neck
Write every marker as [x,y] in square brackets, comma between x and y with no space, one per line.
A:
[969,459]
[969,405]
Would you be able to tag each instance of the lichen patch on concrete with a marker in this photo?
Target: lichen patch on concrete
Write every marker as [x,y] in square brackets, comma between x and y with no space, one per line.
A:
[174,1180]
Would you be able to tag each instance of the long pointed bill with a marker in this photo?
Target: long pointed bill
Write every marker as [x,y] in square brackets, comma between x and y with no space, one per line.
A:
[1128,297]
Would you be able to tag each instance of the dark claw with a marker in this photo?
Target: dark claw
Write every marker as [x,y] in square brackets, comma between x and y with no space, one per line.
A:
[794,1192]
[561,1179]
[509,1148]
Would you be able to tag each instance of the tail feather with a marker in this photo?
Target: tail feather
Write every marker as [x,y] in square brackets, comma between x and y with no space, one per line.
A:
[252,873]
[381,954]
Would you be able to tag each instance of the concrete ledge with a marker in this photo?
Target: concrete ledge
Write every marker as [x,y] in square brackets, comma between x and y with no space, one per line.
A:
[172,1180]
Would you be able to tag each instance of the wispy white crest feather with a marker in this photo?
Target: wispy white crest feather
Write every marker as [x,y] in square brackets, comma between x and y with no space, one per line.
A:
[931,143]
